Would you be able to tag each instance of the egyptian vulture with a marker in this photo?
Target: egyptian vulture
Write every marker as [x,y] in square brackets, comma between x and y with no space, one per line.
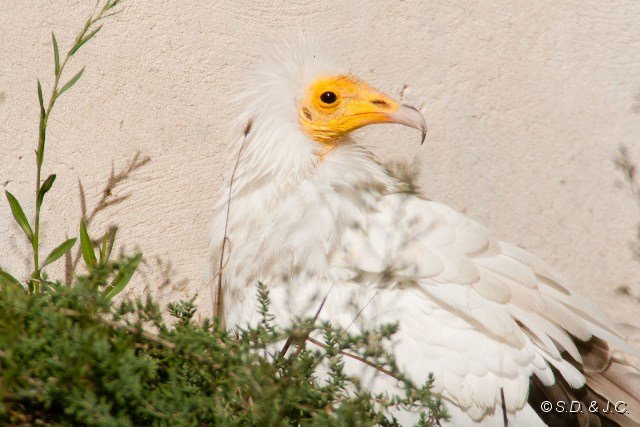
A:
[316,217]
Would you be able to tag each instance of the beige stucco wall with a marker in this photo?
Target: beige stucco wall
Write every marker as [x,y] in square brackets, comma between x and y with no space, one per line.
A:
[527,103]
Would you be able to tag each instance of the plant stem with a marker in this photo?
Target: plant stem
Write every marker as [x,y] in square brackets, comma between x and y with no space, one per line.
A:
[34,284]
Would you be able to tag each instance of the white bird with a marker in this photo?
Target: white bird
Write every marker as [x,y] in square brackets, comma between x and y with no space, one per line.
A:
[315,216]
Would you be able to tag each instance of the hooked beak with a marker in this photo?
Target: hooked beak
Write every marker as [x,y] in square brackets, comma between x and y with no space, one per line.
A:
[356,105]
[409,116]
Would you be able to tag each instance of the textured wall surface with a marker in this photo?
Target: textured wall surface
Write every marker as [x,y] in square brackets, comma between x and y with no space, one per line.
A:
[527,103]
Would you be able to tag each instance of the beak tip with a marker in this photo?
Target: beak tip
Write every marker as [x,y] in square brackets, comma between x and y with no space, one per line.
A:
[411,116]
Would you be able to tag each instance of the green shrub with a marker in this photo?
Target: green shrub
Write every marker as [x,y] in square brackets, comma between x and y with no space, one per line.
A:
[70,357]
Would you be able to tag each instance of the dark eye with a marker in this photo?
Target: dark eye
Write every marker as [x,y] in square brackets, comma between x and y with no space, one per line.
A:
[328,97]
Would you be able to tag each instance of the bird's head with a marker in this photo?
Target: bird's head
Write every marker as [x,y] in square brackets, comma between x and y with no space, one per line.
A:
[334,105]
[300,91]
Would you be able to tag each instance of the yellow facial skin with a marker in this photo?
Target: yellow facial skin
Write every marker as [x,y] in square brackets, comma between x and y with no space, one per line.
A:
[333,106]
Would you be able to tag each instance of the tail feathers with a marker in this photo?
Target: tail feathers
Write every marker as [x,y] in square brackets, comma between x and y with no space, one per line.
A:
[561,392]
[610,380]
[619,384]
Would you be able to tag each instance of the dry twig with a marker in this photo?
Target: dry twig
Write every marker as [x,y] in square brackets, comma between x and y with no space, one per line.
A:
[217,302]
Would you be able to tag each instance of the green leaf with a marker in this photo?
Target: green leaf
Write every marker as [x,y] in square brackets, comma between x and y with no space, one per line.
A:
[59,251]
[46,186]
[71,82]
[40,98]
[18,215]
[86,247]
[8,279]
[56,54]
[91,34]
[107,244]
[125,273]
[82,41]
[42,127]
[103,251]
[110,5]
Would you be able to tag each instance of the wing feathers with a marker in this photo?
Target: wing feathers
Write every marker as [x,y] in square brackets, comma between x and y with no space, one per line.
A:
[511,313]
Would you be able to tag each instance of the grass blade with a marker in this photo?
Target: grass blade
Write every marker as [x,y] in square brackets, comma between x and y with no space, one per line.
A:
[8,279]
[86,247]
[84,40]
[46,186]
[40,98]
[18,215]
[107,244]
[59,251]
[112,238]
[56,54]
[42,127]
[103,250]
[71,82]
[123,277]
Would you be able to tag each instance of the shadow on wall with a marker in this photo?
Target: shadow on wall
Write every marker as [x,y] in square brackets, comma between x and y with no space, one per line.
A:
[108,198]
[157,275]
[636,105]
[158,278]
[631,182]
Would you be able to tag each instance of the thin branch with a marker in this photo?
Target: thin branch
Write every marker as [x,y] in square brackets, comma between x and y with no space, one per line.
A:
[505,420]
[358,358]
[129,328]
[134,330]
[217,303]
[289,341]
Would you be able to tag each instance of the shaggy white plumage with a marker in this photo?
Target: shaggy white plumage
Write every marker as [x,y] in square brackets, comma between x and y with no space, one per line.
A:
[481,314]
